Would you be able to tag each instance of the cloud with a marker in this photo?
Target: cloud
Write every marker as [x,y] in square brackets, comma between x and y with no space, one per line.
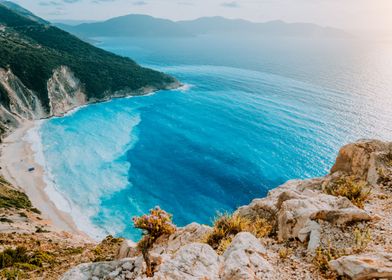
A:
[233,4]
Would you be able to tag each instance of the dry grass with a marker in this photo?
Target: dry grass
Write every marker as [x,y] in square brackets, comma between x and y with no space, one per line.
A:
[47,256]
[356,190]
[362,238]
[285,252]
[227,226]
[323,257]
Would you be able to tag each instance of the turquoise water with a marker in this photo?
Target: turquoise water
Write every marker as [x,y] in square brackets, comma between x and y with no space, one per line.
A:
[249,117]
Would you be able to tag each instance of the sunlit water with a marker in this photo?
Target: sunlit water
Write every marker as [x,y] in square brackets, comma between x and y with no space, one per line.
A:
[251,116]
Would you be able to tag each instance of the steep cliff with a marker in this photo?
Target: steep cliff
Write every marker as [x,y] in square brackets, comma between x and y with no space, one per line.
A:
[45,71]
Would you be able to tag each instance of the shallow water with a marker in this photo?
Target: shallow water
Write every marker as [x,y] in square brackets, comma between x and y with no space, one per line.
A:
[251,117]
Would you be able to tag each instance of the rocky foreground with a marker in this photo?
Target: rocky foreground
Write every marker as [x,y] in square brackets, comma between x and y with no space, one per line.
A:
[337,226]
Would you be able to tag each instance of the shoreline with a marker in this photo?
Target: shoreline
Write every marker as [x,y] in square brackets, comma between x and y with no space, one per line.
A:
[16,158]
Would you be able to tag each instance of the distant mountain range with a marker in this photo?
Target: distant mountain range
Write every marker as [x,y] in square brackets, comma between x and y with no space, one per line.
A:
[147,26]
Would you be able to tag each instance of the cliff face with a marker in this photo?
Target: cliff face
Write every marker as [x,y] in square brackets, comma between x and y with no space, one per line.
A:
[18,103]
[331,227]
[65,91]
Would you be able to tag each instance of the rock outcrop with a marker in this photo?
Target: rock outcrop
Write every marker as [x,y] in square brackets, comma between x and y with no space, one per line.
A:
[18,103]
[245,259]
[65,91]
[366,159]
[294,205]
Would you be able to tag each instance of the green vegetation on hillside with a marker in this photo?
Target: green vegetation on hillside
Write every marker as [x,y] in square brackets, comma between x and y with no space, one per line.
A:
[33,50]
[11,198]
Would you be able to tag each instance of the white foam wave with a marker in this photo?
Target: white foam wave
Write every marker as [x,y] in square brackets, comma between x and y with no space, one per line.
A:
[80,217]
[186,87]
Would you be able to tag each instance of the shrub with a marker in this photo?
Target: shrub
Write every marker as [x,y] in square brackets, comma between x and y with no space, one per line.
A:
[324,256]
[22,259]
[154,225]
[11,256]
[285,252]
[227,226]
[356,190]
[362,238]
[10,198]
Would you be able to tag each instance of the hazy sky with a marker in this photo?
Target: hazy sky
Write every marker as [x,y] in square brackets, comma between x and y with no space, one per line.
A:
[348,14]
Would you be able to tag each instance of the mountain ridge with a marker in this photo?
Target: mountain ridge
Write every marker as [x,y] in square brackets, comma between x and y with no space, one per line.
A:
[144,25]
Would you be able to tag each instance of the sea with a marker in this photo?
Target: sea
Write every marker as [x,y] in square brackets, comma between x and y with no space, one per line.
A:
[252,113]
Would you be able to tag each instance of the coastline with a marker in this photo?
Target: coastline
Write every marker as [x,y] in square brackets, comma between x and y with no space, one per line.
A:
[16,158]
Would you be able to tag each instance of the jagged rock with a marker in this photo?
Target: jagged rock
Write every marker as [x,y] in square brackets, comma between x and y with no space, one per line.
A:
[362,159]
[297,202]
[244,259]
[193,261]
[361,267]
[191,233]
[311,231]
[107,270]
[294,214]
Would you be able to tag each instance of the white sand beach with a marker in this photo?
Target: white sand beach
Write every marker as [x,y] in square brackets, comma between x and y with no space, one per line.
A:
[17,157]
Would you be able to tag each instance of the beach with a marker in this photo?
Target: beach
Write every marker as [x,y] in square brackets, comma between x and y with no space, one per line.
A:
[19,167]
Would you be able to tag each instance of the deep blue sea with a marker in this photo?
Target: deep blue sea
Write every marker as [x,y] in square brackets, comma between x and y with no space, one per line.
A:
[253,113]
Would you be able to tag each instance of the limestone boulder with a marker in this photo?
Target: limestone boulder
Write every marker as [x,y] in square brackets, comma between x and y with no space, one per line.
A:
[245,259]
[366,266]
[123,269]
[193,261]
[363,159]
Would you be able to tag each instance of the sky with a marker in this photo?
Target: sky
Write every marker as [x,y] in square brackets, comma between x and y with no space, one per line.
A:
[345,14]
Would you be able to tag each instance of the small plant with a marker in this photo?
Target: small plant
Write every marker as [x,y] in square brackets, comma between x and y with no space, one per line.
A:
[227,226]
[154,225]
[323,257]
[285,252]
[384,176]
[356,190]
[388,159]
[362,238]
[21,259]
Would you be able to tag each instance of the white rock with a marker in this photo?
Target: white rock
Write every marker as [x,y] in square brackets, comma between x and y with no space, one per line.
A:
[193,261]
[244,259]
[311,231]
[366,266]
